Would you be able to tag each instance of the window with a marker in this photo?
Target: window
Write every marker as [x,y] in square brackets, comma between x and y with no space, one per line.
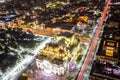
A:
[109,51]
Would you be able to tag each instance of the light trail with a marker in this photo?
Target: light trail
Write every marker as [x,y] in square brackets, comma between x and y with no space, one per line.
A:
[18,69]
[93,45]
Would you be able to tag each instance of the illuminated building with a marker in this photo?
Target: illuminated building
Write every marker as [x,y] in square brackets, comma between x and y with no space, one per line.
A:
[108,49]
[107,60]
[67,53]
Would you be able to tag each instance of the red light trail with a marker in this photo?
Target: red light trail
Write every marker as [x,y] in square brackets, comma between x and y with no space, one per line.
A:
[93,45]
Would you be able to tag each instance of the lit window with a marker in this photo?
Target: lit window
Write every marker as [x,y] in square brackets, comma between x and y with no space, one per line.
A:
[109,52]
